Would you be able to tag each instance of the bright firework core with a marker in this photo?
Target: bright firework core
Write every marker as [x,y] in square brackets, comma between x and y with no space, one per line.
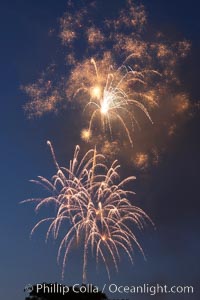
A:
[104,106]
[96,92]
[103,237]
[86,135]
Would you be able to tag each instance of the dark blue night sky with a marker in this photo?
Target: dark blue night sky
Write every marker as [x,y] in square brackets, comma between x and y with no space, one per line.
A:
[170,191]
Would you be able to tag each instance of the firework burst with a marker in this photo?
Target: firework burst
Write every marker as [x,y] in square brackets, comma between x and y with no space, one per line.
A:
[93,201]
[113,96]
[122,73]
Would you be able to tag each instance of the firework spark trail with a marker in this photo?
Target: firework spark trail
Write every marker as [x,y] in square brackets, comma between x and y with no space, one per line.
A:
[92,199]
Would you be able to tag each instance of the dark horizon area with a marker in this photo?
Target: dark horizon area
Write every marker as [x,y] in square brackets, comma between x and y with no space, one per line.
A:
[168,192]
